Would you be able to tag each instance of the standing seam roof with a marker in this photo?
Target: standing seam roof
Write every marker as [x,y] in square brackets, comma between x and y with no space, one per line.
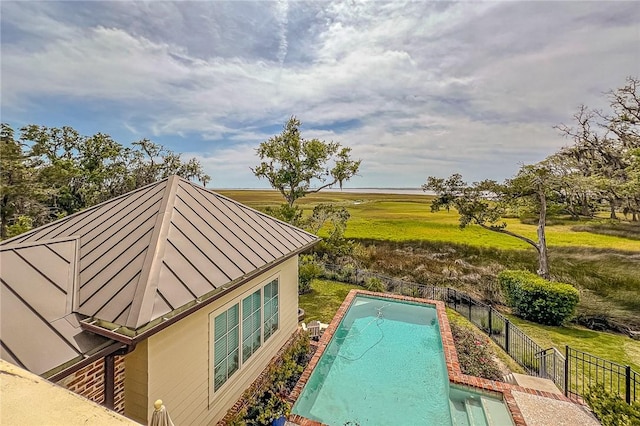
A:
[129,261]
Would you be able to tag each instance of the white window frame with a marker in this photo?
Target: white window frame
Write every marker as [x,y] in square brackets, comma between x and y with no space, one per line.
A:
[241,363]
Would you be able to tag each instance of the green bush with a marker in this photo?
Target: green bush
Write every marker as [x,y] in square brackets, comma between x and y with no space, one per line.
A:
[266,401]
[308,269]
[536,299]
[610,409]
[374,284]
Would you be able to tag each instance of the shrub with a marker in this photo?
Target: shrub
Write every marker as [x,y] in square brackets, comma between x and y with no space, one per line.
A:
[536,299]
[308,269]
[266,401]
[475,355]
[374,284]
[610,409]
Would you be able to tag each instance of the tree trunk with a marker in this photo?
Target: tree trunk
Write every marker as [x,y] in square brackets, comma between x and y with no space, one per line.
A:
[612,208]
[543,258]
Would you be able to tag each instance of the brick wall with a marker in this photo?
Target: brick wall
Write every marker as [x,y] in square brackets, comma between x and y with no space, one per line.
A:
[89,382]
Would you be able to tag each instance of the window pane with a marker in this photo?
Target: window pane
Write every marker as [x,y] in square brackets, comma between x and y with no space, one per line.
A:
[233,363]
[267,310]
[271,309]
[251,325]
[220,375]
[256,321]
[267,291]
[220,351]
[246,308]
[225,346]
[256,341]
[233,339]
[233,316]
[220,325]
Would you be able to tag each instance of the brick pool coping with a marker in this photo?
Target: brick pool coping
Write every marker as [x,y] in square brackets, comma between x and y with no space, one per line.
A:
[490,387]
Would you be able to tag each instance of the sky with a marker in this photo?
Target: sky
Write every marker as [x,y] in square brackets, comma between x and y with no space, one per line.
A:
[416,89]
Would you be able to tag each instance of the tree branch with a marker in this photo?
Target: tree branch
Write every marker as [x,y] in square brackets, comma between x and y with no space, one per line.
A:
[504,231]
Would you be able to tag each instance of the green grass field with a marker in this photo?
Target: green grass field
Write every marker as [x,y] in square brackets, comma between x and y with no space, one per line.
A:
[393,217]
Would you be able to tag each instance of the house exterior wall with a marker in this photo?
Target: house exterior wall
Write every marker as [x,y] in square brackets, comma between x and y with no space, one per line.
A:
[135,385]
[89,382]
[179,364]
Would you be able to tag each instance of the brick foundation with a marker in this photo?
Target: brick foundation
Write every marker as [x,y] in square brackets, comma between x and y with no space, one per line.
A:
[89,382]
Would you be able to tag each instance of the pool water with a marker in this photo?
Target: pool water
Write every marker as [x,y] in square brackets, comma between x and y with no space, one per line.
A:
[385,365]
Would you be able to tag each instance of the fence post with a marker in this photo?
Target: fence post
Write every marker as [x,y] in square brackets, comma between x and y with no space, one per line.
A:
[455,300]
[506,335]
[627,385]
[469,301]
[566,370]
[490,321]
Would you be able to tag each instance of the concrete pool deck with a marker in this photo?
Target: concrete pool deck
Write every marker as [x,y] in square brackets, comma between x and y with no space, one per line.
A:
[514,396]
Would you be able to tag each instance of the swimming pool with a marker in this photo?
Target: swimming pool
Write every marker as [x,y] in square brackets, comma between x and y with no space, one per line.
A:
[385,365]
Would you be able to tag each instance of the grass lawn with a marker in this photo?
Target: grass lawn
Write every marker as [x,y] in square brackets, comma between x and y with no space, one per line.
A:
[614,347]
[324,300]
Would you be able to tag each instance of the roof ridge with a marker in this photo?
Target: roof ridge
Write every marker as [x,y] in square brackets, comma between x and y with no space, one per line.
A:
[143,299]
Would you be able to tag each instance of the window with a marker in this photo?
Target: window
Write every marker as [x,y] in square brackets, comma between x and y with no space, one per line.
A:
[239,331]
[251,320]
[270,309]
[226,350]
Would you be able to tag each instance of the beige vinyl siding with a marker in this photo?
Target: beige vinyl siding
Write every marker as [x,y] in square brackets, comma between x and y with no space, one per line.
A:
[180,357]
[135,384]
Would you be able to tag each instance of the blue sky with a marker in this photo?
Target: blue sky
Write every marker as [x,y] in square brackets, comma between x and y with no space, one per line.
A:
[416,88]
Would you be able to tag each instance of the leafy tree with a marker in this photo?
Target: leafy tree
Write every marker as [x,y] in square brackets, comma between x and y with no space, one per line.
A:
[52,172]
[485,203]
[296,167]
[603,146]
[20,193]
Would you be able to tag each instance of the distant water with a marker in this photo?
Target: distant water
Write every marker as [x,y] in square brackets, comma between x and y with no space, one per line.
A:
[399,191]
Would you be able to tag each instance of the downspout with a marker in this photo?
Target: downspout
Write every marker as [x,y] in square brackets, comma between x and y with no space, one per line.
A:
[109,380]
[110,374]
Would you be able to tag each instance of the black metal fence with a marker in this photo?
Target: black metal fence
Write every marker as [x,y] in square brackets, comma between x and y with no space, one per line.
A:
[583,370]
[573,373]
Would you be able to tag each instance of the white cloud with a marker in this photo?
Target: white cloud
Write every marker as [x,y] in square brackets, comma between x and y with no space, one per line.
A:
[429,88]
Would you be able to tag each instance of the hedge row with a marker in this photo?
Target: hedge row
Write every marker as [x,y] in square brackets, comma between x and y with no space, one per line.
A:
[536,299]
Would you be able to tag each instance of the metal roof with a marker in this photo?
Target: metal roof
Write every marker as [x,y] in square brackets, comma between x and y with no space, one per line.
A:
[135,258]
[38,331]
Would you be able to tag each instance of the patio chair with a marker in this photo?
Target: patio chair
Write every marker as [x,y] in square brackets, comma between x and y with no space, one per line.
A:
[314,329]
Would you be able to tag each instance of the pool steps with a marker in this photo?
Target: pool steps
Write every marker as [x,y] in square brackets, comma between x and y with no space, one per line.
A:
[472,412]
